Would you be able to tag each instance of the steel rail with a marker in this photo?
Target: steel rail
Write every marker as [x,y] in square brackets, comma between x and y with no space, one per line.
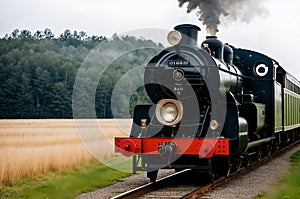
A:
[139,191]
[202,190]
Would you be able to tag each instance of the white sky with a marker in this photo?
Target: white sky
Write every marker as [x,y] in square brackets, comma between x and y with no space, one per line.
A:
[276,35]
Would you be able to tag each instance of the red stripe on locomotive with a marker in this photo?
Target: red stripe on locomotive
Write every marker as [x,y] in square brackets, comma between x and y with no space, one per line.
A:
[204,147]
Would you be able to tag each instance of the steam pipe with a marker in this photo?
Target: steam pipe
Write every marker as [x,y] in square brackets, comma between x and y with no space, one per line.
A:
[259,142]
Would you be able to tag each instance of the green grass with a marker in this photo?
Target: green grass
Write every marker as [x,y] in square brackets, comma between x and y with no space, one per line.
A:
[289,186]
[65,184]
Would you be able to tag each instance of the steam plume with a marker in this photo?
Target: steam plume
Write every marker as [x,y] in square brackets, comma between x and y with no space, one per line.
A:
[211,11]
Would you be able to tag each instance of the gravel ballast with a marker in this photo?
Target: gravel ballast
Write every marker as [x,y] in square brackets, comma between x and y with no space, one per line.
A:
[255,182]
[127,184]
[245,186]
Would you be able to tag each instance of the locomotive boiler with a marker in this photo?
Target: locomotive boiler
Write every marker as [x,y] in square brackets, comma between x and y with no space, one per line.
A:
[215,107]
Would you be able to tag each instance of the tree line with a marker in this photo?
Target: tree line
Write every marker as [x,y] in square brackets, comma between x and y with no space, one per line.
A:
[38,72]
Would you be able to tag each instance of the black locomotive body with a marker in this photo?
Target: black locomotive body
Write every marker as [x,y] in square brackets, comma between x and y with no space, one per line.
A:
[214,108]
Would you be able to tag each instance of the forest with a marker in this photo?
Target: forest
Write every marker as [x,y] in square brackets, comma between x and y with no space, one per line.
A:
[38,72]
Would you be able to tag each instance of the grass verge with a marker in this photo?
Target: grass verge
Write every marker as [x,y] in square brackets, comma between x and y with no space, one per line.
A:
[65,184]
[288,187]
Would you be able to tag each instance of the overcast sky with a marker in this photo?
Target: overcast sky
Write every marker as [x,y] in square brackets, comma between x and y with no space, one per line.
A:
[276,34]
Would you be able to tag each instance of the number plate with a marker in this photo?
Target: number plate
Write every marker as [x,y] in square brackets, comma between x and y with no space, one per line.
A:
[179,63]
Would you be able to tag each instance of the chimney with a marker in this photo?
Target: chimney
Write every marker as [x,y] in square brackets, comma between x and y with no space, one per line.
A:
[216,47]
[189,34]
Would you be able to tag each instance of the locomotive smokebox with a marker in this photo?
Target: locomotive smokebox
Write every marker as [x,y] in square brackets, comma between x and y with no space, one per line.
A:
[189,34]
[215,46]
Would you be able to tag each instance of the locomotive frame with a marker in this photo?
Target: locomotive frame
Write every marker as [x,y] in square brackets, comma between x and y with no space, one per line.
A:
[215,107]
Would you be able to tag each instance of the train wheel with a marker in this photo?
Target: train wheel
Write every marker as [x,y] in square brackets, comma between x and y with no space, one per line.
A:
[268,149]
[227,171]
[227,167]
[259,155]
[238,164]
[275,146]
[248,160]
[152,175]
[212,177]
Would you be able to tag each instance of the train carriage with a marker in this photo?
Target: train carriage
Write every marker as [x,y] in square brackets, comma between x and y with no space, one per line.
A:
[291,107]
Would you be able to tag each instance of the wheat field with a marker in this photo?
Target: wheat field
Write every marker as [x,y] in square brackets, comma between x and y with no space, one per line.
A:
[31,147]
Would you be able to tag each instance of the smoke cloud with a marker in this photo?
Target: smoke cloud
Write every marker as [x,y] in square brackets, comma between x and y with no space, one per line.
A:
[211,12]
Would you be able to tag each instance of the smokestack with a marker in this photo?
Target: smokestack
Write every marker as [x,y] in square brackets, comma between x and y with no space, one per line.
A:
[189,34]
[216,47]
[210,12]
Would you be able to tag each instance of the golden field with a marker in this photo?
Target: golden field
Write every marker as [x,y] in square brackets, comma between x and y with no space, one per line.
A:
[31,147]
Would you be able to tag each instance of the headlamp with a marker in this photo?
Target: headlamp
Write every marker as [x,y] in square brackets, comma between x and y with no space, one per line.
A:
[169,111]
[174,37]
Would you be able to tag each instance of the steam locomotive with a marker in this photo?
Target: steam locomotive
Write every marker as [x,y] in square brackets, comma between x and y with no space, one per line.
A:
[215,108]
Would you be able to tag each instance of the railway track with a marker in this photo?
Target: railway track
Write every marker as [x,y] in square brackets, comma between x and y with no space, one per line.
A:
[185,185]
[159,188]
